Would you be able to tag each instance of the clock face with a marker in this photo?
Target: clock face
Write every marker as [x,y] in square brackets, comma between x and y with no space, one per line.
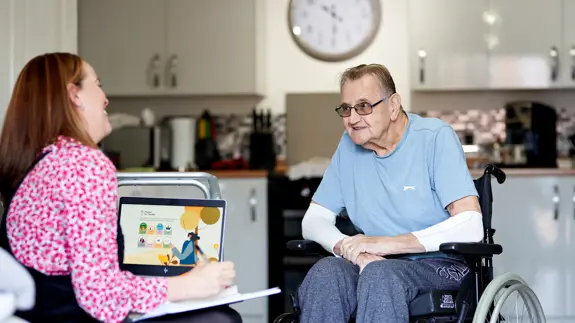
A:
[334,30]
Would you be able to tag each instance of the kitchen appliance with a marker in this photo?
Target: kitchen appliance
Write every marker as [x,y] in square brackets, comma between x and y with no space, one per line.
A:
[288,201]
[136,146]
[531,135]
[182,142]
[168,145]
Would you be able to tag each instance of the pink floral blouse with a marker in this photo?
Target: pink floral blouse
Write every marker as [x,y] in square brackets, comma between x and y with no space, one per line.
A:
[62,221]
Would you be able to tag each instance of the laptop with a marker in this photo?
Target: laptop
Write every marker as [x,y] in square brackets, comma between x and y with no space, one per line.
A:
[163,236]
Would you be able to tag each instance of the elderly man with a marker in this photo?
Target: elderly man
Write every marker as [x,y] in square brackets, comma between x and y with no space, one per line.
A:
[404,182]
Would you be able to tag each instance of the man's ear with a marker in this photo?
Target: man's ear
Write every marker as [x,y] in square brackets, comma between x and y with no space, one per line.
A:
[73,94]
[395,106]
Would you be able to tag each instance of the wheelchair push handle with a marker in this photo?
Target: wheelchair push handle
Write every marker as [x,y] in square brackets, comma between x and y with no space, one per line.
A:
[194,179]
[496,172]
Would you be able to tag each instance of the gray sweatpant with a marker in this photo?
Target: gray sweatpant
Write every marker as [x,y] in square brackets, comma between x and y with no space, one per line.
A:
[333,288]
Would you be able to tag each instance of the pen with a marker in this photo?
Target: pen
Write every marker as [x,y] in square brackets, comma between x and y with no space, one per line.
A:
[204,257]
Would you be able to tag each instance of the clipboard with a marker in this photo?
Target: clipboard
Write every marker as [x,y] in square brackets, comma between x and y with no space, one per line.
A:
[229,296]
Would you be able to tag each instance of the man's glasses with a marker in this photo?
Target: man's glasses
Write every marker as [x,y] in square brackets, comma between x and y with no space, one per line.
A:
[362,108]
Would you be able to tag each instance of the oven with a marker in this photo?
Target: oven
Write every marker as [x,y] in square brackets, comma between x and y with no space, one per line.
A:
[287,203]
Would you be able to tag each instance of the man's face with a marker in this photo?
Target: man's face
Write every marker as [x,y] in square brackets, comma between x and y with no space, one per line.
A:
[365,128]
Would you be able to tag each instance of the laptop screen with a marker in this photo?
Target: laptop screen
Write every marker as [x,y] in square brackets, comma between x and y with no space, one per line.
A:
[161,234]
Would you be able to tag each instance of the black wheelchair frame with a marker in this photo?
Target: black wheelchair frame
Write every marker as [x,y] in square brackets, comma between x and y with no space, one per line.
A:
[442,305]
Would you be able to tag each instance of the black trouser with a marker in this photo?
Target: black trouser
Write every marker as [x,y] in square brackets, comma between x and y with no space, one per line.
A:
[221,314]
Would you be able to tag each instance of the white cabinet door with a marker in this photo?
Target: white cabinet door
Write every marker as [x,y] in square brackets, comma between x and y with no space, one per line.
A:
[528,216]
[30,28]
[246,240]
[211,46]
[6,55]
[526,54]
[42,27]
[567,63]
[124,41]
[567,187]
[447,44]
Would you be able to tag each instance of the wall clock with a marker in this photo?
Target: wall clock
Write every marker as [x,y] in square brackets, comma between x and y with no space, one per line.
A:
[334,30]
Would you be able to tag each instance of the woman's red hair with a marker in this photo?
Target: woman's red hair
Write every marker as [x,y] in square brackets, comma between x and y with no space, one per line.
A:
[39,111]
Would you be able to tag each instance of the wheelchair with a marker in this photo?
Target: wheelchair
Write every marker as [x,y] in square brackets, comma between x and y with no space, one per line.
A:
[480,297]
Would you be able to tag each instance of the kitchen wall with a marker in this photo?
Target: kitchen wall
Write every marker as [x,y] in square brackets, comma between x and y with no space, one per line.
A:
[288,71]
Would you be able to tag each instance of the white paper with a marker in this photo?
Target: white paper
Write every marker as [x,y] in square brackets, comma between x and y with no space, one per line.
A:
[229,296]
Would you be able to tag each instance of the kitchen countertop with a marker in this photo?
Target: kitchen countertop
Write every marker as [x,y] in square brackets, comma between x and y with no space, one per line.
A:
[475,173]
[529,172]
[238,173]
[510,172]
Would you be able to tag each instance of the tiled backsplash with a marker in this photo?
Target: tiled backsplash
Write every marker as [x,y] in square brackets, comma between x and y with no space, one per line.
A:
[488,126]
[233,134]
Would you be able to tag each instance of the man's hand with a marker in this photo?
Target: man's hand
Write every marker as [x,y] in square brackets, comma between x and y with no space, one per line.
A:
[352,247]
[366,258]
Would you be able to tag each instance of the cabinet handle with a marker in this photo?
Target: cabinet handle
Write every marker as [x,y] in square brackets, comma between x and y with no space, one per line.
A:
[172,75]
[556,200]
[253,202]
[572,55]
[154,78]
[554,54]
[422,54]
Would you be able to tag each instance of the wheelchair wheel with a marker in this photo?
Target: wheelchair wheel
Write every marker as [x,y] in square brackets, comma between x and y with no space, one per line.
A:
[287,318]
[491,306]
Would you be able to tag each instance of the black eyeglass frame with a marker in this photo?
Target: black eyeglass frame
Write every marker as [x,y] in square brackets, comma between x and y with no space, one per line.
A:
[358,107]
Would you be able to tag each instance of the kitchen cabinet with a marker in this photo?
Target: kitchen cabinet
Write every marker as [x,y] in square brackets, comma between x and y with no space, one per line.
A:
[124,42]
[480,44]
[29,28]
[447,47]
[567,53]
[245,238]
[6,55]
[246,241]
[534,218]
[524,54]
[173,47]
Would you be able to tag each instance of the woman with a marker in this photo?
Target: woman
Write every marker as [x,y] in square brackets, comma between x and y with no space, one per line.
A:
[60,192]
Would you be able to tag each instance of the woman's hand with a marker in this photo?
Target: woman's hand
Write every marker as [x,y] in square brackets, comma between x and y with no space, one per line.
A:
[205,280]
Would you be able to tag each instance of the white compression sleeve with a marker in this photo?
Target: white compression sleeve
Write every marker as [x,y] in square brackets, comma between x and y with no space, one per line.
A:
[463,227]
[318,225]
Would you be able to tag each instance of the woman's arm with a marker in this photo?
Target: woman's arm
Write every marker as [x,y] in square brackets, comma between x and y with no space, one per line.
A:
[102,289]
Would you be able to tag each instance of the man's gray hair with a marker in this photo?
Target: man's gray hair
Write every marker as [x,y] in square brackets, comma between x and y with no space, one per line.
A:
[380,72]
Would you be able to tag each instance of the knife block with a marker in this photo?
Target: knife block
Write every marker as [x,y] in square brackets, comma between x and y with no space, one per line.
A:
[262,151]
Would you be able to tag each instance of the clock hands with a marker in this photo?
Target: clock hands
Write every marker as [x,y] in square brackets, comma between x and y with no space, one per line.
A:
[331,12]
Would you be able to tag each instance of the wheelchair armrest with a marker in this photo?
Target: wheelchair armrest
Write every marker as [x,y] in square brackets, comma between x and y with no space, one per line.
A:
[306,247]
[471,248]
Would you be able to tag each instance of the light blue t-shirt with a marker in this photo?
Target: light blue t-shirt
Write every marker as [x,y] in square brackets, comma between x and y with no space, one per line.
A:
[405,191]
